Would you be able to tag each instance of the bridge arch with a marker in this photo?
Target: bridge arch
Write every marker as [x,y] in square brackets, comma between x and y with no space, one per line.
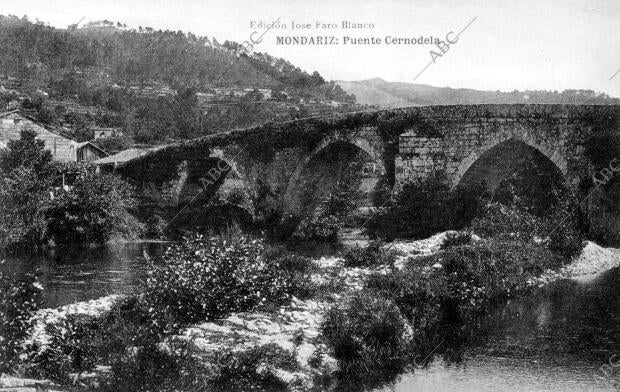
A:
[216,175]
[501,154]
[338,149]
[514,172]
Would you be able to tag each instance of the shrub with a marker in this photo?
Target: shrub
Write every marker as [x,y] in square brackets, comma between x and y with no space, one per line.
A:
[295,270]
[71,349]
[318,227]
[19,300]
[151,367]
[326,219]
[425,207]
[209,277]
[278,226]
[418,294]
[604,236]
[365,333]
[489,270]
[250,369]
[369,257]
[565,228]
[498,220]
[345,195]
[128,324]
[566,241]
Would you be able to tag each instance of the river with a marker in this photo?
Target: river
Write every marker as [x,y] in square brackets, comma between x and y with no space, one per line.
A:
[555,339]
[89,274]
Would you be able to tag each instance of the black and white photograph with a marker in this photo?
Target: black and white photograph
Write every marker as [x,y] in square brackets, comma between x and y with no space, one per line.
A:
[309,195]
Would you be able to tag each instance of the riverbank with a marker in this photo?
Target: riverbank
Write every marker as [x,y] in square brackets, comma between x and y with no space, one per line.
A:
[593,261]
[295,327]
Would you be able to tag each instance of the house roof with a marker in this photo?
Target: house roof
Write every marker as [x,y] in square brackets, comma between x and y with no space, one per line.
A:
[55,130]
[124,156]
[80,145]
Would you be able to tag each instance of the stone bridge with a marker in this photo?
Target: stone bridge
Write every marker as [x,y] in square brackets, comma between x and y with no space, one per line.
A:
[280,166]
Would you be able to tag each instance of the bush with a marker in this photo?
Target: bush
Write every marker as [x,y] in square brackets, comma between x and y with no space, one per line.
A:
[488,270]
[250,369]
[19,300]
[498,220]
[180,367]
[367,332]
[151,367]
[318,227]
[295,269]
[326,219]
[604,236]
[345,195]
[423,208]
[561,230]
[565,228]
[208,277]
[566,241]
[418,294]
[276,225]
[369,257]
[71,349]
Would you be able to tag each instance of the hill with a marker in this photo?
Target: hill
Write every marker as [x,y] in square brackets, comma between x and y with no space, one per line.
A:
[388,94]
[153,85]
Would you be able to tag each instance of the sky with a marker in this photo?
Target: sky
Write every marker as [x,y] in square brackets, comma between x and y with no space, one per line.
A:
[510,44]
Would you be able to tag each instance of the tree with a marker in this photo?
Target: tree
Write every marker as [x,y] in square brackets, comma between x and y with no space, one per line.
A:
[92,211]
[27,152]
[25,176]
[32,212]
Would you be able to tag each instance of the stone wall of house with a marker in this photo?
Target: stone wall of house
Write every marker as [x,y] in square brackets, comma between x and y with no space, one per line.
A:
[62,148]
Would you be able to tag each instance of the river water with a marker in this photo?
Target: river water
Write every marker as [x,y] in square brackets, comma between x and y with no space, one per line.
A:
[89,274]
[555,339]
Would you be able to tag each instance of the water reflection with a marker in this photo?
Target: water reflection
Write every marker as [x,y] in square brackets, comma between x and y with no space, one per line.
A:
[88,274]
[555,339]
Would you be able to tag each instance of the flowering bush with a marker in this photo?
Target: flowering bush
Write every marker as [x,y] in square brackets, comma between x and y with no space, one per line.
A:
[207,277]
